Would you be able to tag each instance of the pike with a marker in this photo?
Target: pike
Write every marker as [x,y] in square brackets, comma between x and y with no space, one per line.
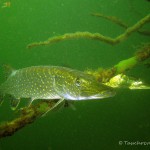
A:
[52,83]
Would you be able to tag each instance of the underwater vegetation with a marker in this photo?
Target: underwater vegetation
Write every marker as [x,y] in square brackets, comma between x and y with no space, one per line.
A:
[98,36]
[112,77]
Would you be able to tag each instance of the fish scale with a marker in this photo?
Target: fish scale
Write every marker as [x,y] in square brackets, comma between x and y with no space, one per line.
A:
[53,82]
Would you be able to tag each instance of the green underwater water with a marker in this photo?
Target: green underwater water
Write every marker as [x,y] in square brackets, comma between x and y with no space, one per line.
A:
[95,124]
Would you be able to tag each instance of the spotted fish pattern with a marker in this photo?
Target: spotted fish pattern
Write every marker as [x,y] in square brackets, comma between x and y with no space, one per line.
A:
[53,82]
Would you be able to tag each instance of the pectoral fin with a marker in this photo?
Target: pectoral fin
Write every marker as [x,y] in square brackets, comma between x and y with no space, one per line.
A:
[14,103]
[30,102]
[55,105]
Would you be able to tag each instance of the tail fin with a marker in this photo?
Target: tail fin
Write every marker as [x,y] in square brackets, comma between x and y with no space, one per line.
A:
[7,70]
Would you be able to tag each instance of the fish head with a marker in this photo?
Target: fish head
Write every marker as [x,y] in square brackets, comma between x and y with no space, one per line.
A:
[81,86]
[90,88]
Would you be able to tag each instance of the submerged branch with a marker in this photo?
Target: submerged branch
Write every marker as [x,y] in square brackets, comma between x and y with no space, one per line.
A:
[112,19]
[94,36]
[27,116]
[119,22]
[30,114]
[104,75]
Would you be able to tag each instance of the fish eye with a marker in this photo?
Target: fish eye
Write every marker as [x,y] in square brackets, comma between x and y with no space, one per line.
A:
[78,82]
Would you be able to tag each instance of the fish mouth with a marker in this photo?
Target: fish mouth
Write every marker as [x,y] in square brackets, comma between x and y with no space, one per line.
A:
[104,94]
[96,91]
[101,95]
[109,93]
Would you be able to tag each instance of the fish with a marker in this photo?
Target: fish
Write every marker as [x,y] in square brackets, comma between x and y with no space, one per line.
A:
[52,83]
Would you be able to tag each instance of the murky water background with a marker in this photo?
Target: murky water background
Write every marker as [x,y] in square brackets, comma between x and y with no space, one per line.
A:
[93,125]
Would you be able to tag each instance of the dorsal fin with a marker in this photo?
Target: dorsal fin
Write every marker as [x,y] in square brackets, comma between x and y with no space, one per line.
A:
[7,69]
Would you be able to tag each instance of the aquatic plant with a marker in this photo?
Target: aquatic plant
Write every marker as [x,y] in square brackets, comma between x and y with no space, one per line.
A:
[98,36]
[28,115]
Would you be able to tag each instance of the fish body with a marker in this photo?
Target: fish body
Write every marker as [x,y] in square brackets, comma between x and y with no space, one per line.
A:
[54,82]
